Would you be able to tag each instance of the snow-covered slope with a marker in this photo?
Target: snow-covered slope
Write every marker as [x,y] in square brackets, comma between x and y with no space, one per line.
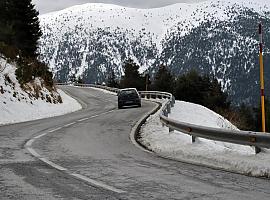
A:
[33,102]
[155,21]
[216,37]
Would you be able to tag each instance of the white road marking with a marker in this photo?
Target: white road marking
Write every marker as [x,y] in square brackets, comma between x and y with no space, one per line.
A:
[29,143]
[67,125]
[97,183]
[58,167]
[53,164]
[94,116]
[81,120]
[39,136]
[55,129]
[33,152]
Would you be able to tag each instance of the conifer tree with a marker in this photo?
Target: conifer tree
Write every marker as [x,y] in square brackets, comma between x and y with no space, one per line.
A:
[4,15]
[80,80]
[20,26]
[112,82]
[164,80]
[26,27]
[132,78]
[7,32]
[19,35]
[202,90]
[188,88]
[247,118]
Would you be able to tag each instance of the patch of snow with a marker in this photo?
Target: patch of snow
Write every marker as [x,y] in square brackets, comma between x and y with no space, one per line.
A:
[15,112]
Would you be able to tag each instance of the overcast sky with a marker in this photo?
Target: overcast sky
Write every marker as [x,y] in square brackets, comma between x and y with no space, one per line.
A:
[45,6]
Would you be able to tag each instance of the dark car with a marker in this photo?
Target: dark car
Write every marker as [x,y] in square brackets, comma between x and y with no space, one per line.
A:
[128,97]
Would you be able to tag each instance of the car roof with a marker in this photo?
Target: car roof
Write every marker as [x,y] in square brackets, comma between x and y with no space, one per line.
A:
[128,89]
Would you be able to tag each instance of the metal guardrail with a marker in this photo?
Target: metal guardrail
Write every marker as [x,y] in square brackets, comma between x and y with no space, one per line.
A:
[98,86]
[256,139]
[91,85]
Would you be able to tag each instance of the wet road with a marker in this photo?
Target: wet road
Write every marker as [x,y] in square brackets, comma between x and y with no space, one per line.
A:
[96,144]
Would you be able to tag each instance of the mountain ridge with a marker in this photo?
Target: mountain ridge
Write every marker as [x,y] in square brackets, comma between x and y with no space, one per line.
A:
[92,39]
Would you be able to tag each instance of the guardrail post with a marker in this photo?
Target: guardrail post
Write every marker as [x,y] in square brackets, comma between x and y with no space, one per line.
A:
[168,108]
[170,130]
[172,104]
[193,139]
[257,150]
[165,113]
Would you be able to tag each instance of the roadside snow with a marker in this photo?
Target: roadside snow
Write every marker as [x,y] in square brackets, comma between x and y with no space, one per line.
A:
[16,105]
[178,146]
[15,112]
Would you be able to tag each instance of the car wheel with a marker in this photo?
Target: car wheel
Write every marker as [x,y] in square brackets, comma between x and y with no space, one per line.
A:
[139,105]
[119,106]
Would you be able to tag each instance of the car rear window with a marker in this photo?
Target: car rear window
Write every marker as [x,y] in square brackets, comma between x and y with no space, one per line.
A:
[128,92]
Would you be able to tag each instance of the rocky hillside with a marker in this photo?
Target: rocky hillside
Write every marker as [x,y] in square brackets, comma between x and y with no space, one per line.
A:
[216,37]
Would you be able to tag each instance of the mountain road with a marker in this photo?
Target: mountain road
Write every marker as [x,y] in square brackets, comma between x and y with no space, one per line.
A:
[99,161]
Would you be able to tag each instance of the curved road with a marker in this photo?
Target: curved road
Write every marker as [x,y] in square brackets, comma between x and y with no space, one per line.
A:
[94,142]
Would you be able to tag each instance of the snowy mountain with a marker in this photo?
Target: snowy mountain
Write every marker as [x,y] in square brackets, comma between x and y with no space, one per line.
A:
[216,37]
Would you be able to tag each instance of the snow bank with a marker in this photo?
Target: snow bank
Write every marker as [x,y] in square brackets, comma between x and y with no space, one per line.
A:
[178,146]
[17,105]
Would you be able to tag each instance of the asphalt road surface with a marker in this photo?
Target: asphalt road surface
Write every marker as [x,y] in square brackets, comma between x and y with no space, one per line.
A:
[94,143]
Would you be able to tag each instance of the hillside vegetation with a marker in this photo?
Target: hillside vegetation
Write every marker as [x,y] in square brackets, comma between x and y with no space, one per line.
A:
[19,35]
